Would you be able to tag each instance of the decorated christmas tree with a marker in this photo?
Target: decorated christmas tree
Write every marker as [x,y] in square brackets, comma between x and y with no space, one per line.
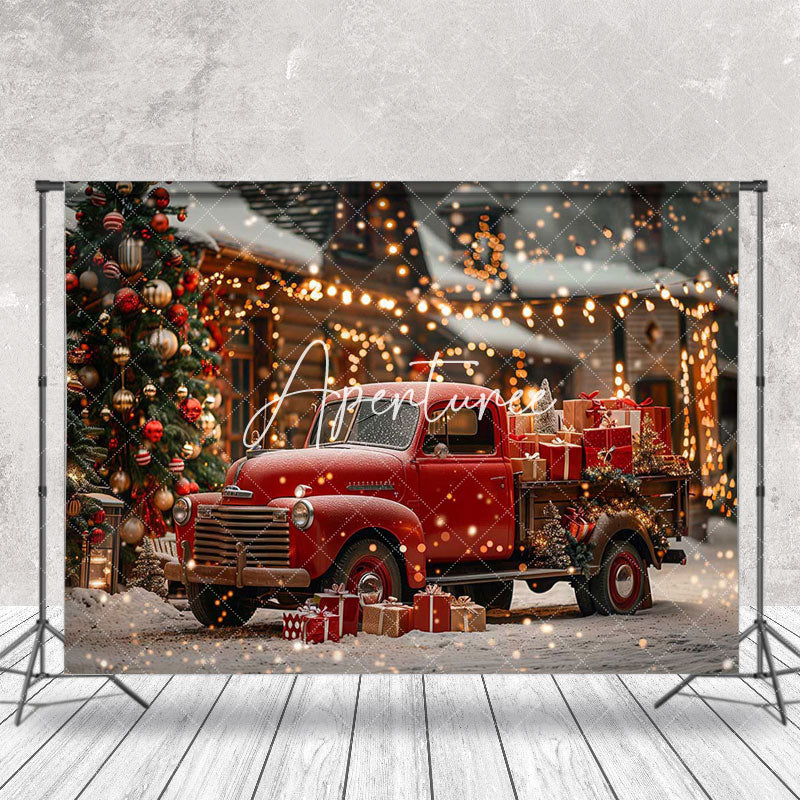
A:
[648,450]
[546,419]
[148,573]
[140,368]
[549,544]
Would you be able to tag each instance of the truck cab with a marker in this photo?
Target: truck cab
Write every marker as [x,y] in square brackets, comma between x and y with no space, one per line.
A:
[397,486]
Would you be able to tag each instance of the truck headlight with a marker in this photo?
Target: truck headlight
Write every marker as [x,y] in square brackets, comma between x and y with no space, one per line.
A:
[302,514]
[182,510]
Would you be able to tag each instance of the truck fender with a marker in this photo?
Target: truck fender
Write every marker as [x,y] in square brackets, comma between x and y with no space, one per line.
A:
[337,519]
[607,527]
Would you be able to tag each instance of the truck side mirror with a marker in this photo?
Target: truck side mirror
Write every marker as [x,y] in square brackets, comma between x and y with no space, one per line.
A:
[441,450]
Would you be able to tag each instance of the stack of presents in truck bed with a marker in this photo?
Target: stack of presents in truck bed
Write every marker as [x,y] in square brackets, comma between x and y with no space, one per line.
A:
[590,432]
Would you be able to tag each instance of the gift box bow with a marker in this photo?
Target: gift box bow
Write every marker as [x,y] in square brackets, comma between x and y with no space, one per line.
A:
[309,609]
[531,457]
[463,600]
[337,588]
[631,403]
[433,589]
[590,396]
[391,601]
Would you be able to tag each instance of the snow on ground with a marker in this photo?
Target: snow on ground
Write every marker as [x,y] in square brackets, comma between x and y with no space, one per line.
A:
[692,627]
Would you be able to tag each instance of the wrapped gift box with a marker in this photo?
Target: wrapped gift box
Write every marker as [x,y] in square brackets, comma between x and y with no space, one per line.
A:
[532,467]
[632,417]
[578,526]
[432,609]
[345,605]
[563,460]
[528,443]
[609,445]
[466,615]
[570,435]
[521,423]
[293,623]
[390,618]
[660,416]
[320,627]
[585,412]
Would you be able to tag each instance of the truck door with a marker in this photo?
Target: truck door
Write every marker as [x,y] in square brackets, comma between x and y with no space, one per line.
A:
[465,487]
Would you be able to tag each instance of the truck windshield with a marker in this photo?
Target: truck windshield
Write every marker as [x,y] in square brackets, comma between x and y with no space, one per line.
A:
[384,423]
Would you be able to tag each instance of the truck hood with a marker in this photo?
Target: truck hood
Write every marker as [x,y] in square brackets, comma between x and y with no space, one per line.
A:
[345,469]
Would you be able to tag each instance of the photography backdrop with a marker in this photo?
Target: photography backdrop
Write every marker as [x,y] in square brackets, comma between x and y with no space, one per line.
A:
[189,305]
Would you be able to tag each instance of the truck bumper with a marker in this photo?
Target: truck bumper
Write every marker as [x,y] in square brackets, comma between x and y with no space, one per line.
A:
[271,577]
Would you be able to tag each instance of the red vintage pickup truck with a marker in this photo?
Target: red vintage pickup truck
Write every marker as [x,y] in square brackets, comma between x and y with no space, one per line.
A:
[400,493]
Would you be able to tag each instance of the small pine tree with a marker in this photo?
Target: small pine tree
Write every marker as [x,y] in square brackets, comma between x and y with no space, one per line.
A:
[147,571]
[546,418]
[648,450]
[549,545]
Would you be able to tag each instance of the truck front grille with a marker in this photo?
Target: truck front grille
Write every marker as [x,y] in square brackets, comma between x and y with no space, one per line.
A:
[263,530]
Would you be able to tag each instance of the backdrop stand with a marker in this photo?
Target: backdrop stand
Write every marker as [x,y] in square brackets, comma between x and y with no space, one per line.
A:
[761,626]
[42,626]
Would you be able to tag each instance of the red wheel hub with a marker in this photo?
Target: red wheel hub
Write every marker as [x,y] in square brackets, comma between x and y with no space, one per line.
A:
[369,574]
[624,581]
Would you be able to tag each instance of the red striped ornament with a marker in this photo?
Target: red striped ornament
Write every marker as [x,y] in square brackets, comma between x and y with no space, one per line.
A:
[111,269]
[176,465]
[143,457]
[113,221]
[97,198]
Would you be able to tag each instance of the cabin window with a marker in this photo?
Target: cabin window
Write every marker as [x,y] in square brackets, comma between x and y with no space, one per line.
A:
[464,431]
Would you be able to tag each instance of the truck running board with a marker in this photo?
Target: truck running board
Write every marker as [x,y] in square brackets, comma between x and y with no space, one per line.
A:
[503,575]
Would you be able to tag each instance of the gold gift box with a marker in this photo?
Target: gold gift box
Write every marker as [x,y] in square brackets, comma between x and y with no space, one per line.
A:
[532,468]
[386,619]
[467,616]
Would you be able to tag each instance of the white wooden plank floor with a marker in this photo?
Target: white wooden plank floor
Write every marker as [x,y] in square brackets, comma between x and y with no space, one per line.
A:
[408,736]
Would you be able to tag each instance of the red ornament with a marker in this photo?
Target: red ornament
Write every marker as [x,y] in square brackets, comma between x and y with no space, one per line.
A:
[161,197]
[99,517]
[159,223]
[177,314]
[97,198]
[113,221]
[96,536]
[178,290]
[111,270]
[191,409]
[126,300]
[175,258]
[176,465]
[191,279]
[113,443]
[142,457]
[194,487]
[183,486]
[182,215]
[153,430]
[98,258]
[79,215]
[72,281]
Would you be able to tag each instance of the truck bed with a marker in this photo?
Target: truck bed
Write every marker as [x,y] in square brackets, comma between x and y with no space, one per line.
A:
[667,494]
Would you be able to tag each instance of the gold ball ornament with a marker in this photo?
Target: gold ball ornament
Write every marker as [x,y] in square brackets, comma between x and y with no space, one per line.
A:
[163,499]
[164,342]
[89,377]
[182,392]
[196,450]
[122,400]
[124,188]
[149,391]
[104,318]
[216,434]
[207,422]
[186,349]
[88,280]
[105,414]
[73,507]
[132,531]
[119,481]
[108,300]
[187,450]
[121,355]
[157,293]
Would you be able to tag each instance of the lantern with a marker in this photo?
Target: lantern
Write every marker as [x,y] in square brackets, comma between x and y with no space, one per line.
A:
[100,561]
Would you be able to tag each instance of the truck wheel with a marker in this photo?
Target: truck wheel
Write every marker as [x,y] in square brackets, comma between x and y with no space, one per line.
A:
[583,597]
[368,566]
[495,594]
[218,606]
[619,587]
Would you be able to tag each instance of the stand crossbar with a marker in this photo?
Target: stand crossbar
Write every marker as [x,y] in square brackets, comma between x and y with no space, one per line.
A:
[760,626]
[42,625]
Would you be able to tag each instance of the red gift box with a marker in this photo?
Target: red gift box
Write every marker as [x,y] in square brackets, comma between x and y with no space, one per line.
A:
[660,416]
[293,621]
[578,527]
[320,627]
[346,606]
[563,460]
[432,609]
[584,412]
[609,445]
